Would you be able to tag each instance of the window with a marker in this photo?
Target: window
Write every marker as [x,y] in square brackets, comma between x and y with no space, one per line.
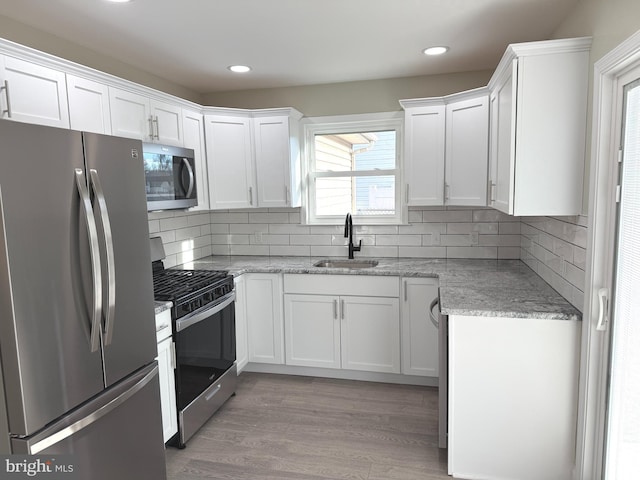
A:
[353,167]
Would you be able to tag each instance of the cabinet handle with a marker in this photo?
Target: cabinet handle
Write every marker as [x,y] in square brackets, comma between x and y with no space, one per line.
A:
[406,193]
[335,309]
[446,192]
[405,291]
[250,195]
[174,360]
[151,127]
[286,195]
[342,309]
[492,192]
[6,91]
[157,134]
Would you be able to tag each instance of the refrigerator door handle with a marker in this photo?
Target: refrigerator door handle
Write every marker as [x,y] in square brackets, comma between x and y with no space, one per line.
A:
[93,417]
[108,242]
[190,171]
[94,250]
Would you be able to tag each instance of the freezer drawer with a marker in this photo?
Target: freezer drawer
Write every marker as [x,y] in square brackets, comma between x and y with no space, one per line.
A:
[118,434]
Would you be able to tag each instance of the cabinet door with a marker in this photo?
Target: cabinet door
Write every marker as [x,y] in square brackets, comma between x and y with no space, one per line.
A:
[32,94]
[130,115]
[264,317]
[370,334]
[229,159]
[313,330]
[271,140]
[88,105]
[419,335]
[424,155]
[242,346]
[503,142]
[193,131]
[167,123]
[166,366]
[467,151]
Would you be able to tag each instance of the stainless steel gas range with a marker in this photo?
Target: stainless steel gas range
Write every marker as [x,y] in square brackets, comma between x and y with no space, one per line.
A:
[203,324]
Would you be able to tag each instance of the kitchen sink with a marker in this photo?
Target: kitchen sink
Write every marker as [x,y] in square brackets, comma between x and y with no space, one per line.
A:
[346,263]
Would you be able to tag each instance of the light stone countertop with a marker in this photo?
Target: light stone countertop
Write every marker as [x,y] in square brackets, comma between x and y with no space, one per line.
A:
[497,288]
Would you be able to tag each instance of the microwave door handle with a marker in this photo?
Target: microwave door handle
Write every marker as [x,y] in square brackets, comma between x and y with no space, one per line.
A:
[108,242]
[94,252]
[186,163]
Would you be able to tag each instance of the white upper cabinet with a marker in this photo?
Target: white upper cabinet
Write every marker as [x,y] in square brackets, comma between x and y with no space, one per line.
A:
[130,115]
[446,149]
[538,127]
[467,150]
[193,133]
[277,161]
[32,93]
[253,158]
[137,116]
[88,105]
[424,127]
[166,120]
[229,158]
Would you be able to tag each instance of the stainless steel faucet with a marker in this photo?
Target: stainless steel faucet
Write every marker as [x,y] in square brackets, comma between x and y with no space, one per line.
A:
[348,232]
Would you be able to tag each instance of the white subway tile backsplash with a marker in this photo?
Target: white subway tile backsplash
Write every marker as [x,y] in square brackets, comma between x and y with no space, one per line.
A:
[269,217]
[447,216]
[554,247]
[484,228]
[249,228]
[310,239]
[398,240]
[290,250]
[422,252]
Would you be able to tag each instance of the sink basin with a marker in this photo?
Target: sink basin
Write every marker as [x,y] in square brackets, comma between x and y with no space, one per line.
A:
[346,263]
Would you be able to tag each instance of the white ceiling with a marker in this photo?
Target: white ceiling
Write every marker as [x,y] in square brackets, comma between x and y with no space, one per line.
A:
[293,42]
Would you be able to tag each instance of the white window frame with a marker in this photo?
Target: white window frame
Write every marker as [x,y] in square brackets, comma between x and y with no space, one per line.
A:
[369,122]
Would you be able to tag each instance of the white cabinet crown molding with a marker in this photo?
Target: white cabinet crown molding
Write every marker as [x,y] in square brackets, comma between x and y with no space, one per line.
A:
[515,50]
[443,100]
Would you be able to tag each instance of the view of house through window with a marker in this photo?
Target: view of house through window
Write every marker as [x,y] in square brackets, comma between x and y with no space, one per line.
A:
[354,172]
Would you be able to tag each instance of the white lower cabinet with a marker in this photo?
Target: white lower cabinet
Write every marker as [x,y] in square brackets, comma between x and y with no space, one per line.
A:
[419,335]
[512,397]
[264,317]
[358,329]
[166,367]
[312,328]
[242,346]
[370,334]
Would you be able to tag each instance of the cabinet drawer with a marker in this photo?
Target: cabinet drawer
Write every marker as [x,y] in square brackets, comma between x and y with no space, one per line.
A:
[366,285]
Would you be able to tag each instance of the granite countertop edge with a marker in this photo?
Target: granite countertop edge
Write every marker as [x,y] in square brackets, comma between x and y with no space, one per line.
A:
[496,288]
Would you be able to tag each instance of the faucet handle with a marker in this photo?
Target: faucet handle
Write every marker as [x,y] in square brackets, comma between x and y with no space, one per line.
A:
[357,249]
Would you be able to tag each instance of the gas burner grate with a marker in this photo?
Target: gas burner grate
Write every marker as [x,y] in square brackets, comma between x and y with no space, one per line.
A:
[175,284]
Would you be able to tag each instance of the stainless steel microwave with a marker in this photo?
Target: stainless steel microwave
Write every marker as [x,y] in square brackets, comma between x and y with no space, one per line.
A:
[170,177]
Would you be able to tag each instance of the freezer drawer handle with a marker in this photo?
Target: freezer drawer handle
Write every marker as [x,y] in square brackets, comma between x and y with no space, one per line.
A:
[433,317]
[94,251]
[95,416]
[111,263]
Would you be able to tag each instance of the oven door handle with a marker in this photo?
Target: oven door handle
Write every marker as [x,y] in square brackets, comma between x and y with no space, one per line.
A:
[200,315]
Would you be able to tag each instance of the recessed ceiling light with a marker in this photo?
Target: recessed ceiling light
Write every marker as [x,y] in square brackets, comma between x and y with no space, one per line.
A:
[119,1]
[435,50]
[239,68]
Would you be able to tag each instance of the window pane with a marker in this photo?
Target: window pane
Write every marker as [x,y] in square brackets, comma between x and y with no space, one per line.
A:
[355,151]
[375,195]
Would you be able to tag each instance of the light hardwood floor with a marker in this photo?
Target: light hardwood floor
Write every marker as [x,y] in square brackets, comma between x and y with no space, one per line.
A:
[281,427]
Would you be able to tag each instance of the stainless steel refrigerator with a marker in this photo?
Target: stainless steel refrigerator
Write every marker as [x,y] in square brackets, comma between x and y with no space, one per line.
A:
[77,329]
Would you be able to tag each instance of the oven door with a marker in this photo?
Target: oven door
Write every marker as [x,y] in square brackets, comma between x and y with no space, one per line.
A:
[205,348]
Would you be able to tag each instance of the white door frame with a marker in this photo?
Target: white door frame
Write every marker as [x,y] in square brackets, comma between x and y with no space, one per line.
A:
[610,74]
